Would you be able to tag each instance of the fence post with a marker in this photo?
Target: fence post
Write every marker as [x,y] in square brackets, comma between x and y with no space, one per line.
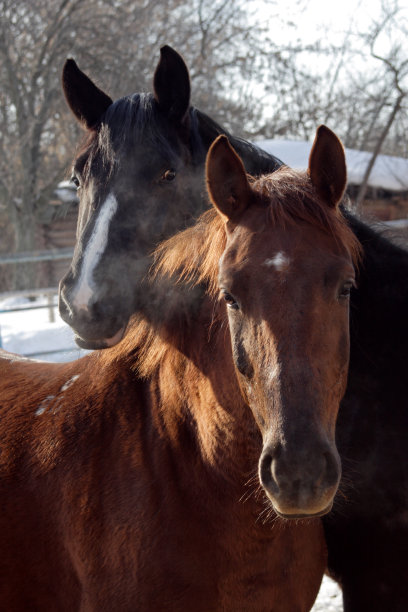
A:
[51,313]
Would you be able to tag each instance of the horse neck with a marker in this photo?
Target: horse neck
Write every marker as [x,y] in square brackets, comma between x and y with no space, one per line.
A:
[256,161]
[189,362]
[378,321]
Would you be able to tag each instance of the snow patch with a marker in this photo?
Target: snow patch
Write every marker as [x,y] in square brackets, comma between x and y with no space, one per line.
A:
[70,382]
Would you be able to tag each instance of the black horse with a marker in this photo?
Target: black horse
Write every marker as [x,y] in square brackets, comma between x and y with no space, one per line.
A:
[140,179]
[367,532]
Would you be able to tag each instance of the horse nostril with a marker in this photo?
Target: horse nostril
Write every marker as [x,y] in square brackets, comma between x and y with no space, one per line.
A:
[266,473]
[332,468]
[63,305]
[282,474]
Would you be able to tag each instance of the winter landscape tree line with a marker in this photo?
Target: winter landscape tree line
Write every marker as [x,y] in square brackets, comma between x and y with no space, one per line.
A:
[253,84]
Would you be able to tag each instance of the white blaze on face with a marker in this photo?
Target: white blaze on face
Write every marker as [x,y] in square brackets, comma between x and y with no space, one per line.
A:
[85,287]
[280,262]
[273,374]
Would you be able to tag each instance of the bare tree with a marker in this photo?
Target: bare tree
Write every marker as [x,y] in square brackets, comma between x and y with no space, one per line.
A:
[117,43]
[357,86]
[394,60]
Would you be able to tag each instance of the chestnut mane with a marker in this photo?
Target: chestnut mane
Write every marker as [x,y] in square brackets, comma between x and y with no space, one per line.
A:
[190,259]
[289,198]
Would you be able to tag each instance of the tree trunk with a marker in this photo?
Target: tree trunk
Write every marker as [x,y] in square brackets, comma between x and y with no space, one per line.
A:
[363,187]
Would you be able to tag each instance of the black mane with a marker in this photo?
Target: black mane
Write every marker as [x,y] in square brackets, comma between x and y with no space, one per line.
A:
[366,533]
[132,118]
[379,303]
[256,160]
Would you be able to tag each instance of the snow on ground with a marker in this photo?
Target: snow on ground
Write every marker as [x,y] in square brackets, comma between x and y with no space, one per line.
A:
[329,598]
[30,333]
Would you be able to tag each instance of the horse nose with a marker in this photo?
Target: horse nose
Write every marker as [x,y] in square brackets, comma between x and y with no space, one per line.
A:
[83,304]
[300,482]
[91,317]
[63,299]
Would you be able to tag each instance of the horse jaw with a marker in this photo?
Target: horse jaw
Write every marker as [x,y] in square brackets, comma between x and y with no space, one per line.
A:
[103,343]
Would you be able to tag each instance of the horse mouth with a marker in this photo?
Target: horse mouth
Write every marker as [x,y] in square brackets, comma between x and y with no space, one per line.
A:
[100,343]
[305,515]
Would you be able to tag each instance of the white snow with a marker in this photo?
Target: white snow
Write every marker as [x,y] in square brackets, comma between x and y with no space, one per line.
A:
[30,332]
[329,598]
[390,173]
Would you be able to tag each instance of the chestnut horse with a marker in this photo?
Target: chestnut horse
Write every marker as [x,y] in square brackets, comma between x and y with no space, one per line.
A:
[124,475]
[148,150]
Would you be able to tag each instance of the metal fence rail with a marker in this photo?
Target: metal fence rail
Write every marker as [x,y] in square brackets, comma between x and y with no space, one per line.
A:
[49,293]
[34,256]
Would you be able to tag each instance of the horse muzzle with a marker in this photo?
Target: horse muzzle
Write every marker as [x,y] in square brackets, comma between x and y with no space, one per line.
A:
[300,483]
[95,326]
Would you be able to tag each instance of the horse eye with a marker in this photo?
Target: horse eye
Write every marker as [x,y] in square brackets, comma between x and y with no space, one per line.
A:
[230,300]
[346,289]
[74,179]
[169,175]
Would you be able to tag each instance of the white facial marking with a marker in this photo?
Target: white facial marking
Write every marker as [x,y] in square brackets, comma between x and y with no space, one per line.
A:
[273,374]
[69,382]
[95,248]
[280,262]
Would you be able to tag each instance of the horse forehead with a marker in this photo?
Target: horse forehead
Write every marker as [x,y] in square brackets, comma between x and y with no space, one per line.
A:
[278,254]
[276,244]
[266,245]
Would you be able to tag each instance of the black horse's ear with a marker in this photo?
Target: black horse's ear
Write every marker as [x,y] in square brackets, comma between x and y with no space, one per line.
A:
[85,99]
[171,84]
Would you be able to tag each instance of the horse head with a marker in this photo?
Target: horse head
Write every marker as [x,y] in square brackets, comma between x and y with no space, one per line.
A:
[137,183]
[140,179]
[285,275]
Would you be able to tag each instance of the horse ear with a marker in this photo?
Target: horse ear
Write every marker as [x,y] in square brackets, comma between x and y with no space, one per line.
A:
[171,84]
[86,100]
[227,181]
[327,166]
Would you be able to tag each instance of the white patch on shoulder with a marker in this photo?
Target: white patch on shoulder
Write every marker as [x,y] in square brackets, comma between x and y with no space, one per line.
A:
[44,405]
[69,382]
[84,289]
[280,262]
[52,403]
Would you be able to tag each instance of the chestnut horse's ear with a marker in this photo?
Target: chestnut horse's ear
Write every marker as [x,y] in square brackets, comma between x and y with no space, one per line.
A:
[171,84]
[86,100]
[327,166]
[227,181]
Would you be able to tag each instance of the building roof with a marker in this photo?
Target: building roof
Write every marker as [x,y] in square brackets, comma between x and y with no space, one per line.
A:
[389,173]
